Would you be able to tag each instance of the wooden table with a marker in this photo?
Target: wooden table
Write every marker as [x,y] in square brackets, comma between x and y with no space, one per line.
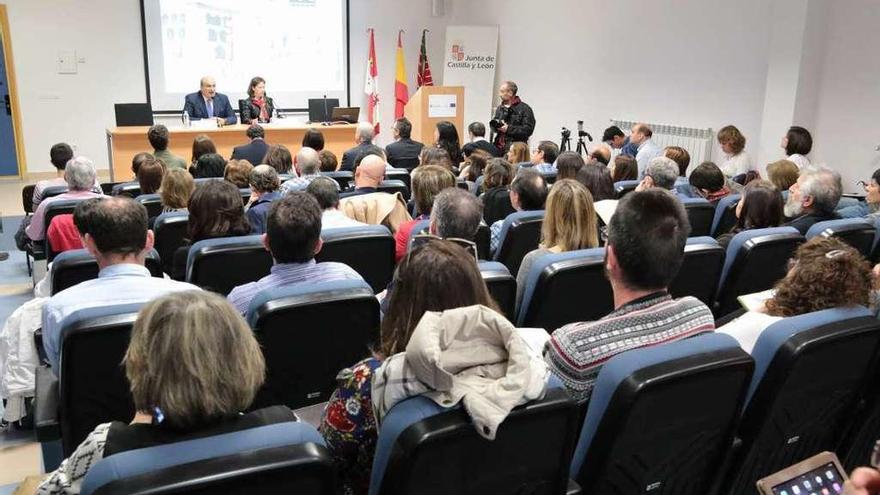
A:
[125,142]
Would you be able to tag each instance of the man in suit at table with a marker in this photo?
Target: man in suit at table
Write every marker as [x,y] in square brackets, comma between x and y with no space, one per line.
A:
[207,103]
[255,150]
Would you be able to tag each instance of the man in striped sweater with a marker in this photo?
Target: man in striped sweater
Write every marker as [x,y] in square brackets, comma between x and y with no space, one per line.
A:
[645,249]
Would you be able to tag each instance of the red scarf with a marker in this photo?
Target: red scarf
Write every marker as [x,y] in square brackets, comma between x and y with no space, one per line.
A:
[717,195]
[261,102]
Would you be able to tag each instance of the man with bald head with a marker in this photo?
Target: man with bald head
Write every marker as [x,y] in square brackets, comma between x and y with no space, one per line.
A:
[367,177]
[648,149]
[363,137]
[207,103]
[307,164]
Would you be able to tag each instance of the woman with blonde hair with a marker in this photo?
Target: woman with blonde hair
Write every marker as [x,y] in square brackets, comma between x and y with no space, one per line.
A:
[177,187]
[570,223]
[783,174]
[224,369]
[518,153]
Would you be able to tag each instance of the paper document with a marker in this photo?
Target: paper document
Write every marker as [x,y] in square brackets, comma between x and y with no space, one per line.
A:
[605,209]
[755,300]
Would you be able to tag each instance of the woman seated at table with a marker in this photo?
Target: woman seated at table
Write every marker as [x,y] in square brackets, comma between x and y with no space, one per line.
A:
[257,107]
[224,369]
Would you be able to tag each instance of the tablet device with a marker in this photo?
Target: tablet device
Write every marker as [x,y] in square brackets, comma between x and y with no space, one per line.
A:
[345,114]
[819,475]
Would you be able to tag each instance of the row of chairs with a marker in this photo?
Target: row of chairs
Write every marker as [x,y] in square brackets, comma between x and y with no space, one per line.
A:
[692,417]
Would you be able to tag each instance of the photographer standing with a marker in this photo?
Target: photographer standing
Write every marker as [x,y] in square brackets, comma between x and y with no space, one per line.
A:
[513,120]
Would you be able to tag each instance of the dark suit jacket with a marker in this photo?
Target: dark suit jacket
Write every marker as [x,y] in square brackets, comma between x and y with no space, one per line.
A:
[252,152]
[404,153]
[194,104]
[251,112]
[486,146]
[804,222]
[351,155]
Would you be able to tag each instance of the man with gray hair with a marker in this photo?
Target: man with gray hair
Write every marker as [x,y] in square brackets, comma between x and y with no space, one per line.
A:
[813,198]
[80,174]
[456,214]
[661,172]
[264,183]
[308,166]
[363,137]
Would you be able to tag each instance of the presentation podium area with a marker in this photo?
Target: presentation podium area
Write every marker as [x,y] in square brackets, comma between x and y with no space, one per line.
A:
[125,142]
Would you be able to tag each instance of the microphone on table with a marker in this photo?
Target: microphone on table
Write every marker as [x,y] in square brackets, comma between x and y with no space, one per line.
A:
[326,112]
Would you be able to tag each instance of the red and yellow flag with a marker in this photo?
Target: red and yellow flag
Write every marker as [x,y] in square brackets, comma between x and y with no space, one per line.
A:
[401,92]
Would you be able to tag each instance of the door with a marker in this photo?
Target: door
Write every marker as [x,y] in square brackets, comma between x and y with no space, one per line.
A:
[8,156]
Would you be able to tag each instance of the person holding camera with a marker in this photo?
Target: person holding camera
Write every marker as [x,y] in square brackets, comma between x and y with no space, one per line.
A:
[513,120]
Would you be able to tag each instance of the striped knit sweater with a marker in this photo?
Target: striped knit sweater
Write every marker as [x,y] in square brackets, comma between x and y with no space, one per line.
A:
[577,351]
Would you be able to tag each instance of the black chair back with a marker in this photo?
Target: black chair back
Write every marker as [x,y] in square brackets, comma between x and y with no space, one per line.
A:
[307,337]
[342,177]
[700,215]
[698,276]
[443,454]
[54,191]
[220,265]
[523,236]
[107,187]
[368,250]
[482,240]
[580,279]
[152,202]
[170,231]
[501,285]
[394,186]
[399,174]
[130,189]
[27,198]
[73,267]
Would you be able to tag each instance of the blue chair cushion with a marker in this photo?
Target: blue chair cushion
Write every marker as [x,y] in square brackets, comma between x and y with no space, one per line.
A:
[136,462]
[622,366]
[492,266]
[538,267]
[704,239]
[740,239]
[818,227]
[299,290]
[513,217]
[774,336]
[720,208]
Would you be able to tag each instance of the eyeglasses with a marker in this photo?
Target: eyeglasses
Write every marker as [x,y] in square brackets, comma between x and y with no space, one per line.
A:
[419,239]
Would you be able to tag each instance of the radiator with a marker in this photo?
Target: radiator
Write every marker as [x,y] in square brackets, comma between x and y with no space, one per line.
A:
[698,142]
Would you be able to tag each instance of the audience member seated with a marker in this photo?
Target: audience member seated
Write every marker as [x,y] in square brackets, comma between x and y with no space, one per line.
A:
[870,207]
[307,166]
[177,187]
[223,370]
[328,161]
[783,174]
[293,236]
[568,163]
[369,173]
[404,151]
[209,165]
[736,160]
[683,159]
[314,139]
[661,172]
[79,173]
[363,137]
[477,141]
[570,223]
[446,137]
[625,168]
[760,207]
[150,174]
[158,137]
[256,149]
[528,192]
[456,214]
[436,276]
[797,143]
[264,191]
[279,158]
[435,156]
[496,198]
[597,180]
[215,210]
[238,172]
[116,235]
[202,145]
[647,148]
[825,273]
[474,165]
[645,249]
[325,191]
[59,155]
[63,234]
[813,198]
[370,150]
[518,153]
[544,157]
[709,182]
[427,182]
[601,155]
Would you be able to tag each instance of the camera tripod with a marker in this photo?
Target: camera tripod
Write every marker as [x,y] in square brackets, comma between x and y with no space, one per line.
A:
[565,144]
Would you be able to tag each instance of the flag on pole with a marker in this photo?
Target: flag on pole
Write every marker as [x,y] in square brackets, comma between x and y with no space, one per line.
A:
[371,86]
[424,77]
[401,92]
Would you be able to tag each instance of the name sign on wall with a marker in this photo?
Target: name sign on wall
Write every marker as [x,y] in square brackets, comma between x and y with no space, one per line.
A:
[469,61]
